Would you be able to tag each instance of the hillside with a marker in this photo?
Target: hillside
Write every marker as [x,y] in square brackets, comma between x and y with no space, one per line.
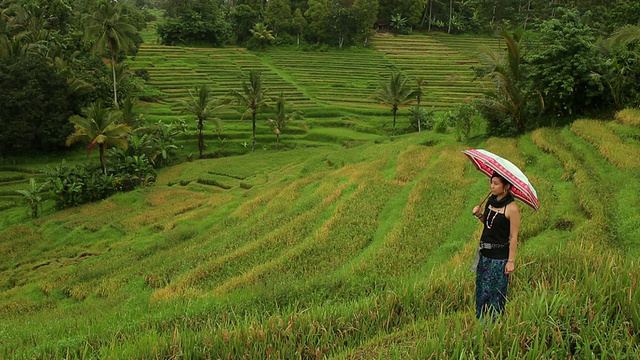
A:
[334,89]
[334,252]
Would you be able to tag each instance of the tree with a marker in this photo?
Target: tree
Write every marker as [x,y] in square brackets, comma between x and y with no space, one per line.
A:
[261,35]
[34,105]
[279,123]
[298,24]
[253,97]
[395,93]
[418,111]
[342,21]
[561,66]
[112,34]
[366,14]
[99,127]
[244,19]
[620,71]
[410,9]
[197,22]
[277,15]
[508,101]
[318,16]
[202,105]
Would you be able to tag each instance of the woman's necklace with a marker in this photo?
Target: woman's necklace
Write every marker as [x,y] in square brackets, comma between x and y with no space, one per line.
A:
[495,213]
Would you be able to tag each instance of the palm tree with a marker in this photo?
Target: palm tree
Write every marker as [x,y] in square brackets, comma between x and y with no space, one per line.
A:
[99,128]
[616,73]
[112,34]
[510,96]
[129,116]
[279,123]
[395,93]
[202,105]
[262,34]
[254,98]
[419,93]
[625,35]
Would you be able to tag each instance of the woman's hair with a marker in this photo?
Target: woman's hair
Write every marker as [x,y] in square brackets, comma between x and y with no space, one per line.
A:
[504,181]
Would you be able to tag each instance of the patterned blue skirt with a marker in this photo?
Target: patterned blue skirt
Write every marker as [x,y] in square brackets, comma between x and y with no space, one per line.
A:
[491,287]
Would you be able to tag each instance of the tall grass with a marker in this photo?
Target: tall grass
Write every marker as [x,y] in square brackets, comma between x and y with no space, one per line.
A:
[629,117]
[610,145]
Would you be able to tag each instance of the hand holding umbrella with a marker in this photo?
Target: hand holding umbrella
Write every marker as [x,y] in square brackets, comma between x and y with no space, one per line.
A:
[477,210]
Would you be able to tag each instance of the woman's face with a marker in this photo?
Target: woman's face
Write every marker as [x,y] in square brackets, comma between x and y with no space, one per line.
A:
[497,187]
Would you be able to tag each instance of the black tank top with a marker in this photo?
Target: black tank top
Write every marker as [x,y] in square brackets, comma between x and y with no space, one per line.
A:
[496,231]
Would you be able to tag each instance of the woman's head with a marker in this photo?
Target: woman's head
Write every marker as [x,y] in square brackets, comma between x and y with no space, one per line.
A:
[499,185]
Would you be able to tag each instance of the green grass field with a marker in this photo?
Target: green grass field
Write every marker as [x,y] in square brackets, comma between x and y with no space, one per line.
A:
[334,252]
[347,244]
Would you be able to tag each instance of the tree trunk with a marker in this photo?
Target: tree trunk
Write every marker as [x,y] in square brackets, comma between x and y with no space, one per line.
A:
[450,15]
[395,112]
[253,140]
[277,141]
[113,72]
[200,137]
[430,13]
[424,13]
[115,88]
[103,149]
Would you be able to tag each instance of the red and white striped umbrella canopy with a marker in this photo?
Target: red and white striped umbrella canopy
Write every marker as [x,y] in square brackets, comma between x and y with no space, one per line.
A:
[488,163]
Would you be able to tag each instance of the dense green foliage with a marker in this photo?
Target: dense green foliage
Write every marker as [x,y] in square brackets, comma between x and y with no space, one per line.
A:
[49,71]
[342,22]
[196,21]
[34,110]
[562,64]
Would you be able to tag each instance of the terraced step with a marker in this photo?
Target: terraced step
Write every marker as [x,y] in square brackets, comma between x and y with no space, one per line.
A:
[446,70]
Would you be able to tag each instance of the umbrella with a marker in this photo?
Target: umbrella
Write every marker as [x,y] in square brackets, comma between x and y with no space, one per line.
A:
[488,162]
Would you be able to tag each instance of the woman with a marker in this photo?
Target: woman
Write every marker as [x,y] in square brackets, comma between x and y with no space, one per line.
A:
[497,251]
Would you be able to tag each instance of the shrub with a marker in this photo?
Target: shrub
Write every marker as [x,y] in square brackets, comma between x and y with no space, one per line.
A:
[72,186]
[464,118]
[33,196]
[421,119]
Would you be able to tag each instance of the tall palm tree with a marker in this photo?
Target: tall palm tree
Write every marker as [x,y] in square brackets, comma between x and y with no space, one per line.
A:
[99,127]
[202,105]
[395,93]
[253,97]
[112,35]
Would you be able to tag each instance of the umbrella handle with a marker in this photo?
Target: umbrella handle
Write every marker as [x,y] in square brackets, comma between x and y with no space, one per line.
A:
[485,199]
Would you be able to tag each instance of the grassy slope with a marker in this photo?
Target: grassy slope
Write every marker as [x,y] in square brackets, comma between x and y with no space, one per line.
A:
[333,252]
[332,89]
[353,251]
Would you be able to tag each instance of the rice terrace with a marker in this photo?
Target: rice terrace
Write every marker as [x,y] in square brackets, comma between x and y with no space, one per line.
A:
[346,234]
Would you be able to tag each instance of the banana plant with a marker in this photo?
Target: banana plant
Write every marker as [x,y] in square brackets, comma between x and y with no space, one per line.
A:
[32,196]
